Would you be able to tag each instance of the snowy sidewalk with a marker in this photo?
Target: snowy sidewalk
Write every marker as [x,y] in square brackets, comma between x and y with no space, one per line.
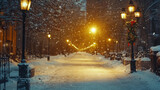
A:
[82,71]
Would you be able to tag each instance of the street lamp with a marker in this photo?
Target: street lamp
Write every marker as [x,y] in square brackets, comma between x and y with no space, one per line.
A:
[117,46]
[137,13]
[49,37]
[23,81]
[109,39]
[131,25]
[67,40]
[123,14]
[93,30]
[131,7]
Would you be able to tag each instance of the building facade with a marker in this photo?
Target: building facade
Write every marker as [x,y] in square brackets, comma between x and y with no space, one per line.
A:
[7,28]
[152,18]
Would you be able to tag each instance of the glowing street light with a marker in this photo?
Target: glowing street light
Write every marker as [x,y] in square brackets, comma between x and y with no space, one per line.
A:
[23,66]
[109,39]
[131,7]
[131,30]
[137,13]
[116,42]
[49,35]
[67,40]
[123,14]
[93,30]
[25,5]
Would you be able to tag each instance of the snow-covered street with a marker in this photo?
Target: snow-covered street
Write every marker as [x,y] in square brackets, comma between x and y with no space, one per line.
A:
[83,71]
[79,44]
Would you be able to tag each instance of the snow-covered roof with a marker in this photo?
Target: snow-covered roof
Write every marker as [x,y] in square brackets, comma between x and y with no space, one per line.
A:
[155,48]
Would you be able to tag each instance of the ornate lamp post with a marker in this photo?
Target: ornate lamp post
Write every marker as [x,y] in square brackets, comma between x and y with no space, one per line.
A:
[49,37]
[23,81]
[131,23]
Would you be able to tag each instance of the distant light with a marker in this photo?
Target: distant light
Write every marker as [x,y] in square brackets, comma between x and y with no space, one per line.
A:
[116,41]
[109,39]
[154,33]
[93,30]
[49,35]
[67,40]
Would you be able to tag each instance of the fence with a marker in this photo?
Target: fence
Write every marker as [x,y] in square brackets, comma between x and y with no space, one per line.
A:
[4,69]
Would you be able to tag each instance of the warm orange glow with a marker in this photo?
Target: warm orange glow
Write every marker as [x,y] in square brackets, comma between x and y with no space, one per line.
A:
[93,30]
[109,39]
[123,15]
[131,8]
[116,41]
[81,67]
[25,4]
[137,14]
[49,35]
[67,40]
[80,49]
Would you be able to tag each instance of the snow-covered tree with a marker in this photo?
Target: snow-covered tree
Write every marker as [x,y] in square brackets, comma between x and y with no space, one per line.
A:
[58,17]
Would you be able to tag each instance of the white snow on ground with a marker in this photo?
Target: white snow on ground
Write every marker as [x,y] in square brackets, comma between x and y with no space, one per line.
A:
[127,58]
[83,71]
[155,48]
[158,54]
[145,59]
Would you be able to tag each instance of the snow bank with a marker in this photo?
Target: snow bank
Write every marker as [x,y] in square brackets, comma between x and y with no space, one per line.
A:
[158,54]
[13,65]
[150,78]
[117,65]
[155,48]
[127,58]
[137,59]
[145,59]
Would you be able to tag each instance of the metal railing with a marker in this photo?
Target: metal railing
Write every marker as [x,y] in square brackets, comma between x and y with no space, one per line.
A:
[4,70]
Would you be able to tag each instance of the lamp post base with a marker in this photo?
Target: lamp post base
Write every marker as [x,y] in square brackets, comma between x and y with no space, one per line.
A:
[133,66]
[23,82]
[23,70]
